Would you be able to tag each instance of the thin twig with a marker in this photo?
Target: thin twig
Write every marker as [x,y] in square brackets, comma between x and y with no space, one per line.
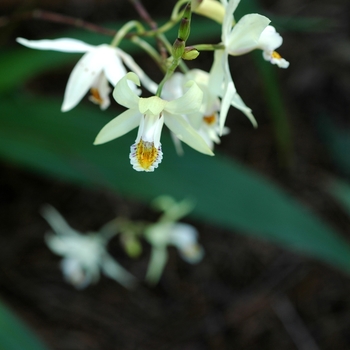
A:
[143,13]
[293,323]
[57,18]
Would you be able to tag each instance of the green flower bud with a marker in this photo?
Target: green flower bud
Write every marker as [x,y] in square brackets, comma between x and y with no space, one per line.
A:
[185,24]
[190,54]
[178,48]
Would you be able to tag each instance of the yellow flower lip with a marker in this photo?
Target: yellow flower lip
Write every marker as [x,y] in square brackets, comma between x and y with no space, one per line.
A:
[144,156]
[96,96]
[276,55]
[209,119]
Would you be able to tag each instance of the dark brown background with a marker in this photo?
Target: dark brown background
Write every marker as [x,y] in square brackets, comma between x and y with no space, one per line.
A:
[245,294]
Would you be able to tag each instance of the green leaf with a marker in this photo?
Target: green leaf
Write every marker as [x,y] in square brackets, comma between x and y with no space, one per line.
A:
[292,24]
[14,334]
[36,135]
[341,191]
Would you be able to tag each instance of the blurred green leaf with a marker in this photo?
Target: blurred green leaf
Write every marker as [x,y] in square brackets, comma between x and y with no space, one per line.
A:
[295,24]
[336,139]
[341,191]
[35,134]
[14,335]
[22,64]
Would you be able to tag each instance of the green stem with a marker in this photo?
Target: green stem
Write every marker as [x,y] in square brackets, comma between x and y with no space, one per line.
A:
[122,32]
[168,74]
[208,47]
[175,18]
[150,50]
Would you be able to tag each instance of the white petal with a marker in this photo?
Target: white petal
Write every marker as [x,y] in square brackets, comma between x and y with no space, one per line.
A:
[189,103]
[57,222]
[184,238]
[231,98]
[57,244]
[134,67]
[195,119]
[123,93]
[228,19]
[113,66]
[269,39]
[150,129]
[238,103]
[82,78]
[119,126]
[245,34]
[217,72]
[62,44]
[159,256]
[113,270]
[173,87]
[185,132]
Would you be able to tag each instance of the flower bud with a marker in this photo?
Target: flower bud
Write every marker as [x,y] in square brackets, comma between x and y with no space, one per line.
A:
[190,54]
[178,48]
[185,24]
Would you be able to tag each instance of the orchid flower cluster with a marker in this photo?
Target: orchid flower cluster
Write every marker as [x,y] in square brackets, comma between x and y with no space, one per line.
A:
[192,103]
[85,256]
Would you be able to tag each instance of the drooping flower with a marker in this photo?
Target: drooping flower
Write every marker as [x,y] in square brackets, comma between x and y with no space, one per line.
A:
[98,66]
[168,232]
[84,255]
[163,234]
[249,33]
[150,114]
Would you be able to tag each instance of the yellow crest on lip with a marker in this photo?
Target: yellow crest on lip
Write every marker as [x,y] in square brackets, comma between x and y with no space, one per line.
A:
[95,96]
[144,156]
[276,55]
[210,119]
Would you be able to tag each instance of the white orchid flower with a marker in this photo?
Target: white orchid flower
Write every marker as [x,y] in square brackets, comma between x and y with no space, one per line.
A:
[251,32]
[163,234]
[84,255]
[206,119]
[98,66]
[150,114]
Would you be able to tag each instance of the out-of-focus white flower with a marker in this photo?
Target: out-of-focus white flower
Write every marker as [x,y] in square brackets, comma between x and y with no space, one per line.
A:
[168,232]
[180,235]
[150,114]
[206,119]
[98,66]
[84,255]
